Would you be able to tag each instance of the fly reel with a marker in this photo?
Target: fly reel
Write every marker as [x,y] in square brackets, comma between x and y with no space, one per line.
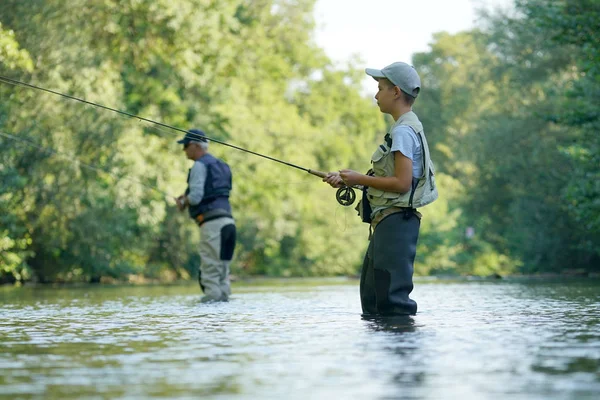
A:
[345,196]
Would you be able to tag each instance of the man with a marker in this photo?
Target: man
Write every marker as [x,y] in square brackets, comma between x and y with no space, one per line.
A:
[402,179]
[207,200]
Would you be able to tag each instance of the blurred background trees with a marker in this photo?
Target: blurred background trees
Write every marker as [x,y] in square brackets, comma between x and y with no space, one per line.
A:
[510,110]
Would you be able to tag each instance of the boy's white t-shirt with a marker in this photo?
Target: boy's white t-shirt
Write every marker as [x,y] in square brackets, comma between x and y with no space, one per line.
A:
[405,140]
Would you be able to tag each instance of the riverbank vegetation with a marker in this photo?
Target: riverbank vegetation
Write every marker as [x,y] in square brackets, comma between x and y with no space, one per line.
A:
[510,110]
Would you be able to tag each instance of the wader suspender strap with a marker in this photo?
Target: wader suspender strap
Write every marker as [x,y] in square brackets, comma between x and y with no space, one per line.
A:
[414,187]
[388,140]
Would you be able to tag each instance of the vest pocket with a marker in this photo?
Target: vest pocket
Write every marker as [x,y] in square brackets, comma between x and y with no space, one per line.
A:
[380,194]
[381,152]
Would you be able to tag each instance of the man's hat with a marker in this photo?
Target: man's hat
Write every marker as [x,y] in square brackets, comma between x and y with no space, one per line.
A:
[193,135]
[400,74]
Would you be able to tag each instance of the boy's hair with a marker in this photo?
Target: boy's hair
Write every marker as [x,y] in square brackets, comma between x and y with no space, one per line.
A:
[408,99]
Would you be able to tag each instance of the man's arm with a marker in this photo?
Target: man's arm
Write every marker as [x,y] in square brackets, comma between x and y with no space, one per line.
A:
[196,184]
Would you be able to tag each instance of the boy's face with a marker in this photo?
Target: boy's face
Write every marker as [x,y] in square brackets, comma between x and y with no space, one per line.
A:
[385,95]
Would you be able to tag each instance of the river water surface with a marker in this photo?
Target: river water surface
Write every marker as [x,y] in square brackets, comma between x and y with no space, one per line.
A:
[301,340]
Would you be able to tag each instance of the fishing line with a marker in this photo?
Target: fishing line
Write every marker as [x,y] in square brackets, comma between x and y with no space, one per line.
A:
[344,195]
[19,83]
[77,161]
[166,131]
[73,159]
[341,224]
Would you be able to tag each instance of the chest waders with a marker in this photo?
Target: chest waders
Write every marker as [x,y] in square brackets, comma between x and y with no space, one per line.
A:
[386,277]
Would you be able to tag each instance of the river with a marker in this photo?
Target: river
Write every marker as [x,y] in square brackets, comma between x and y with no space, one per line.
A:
[298,339]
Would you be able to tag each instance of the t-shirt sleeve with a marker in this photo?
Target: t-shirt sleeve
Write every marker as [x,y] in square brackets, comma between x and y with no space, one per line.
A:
[405,141]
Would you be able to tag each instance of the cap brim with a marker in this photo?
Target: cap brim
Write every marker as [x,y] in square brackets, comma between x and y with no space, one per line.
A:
[375,73]
[182,141]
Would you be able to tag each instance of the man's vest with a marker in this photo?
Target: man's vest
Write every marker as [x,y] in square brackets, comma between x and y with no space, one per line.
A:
[423,190]
[216,190]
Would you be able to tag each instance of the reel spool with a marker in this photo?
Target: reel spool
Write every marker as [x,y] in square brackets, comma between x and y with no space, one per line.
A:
[345,196]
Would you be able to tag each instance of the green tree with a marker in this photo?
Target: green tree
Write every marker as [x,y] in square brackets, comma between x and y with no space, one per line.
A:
[572,26]
[156,60]
[14,238]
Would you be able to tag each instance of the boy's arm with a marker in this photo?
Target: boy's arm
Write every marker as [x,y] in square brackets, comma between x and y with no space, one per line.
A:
[401,182]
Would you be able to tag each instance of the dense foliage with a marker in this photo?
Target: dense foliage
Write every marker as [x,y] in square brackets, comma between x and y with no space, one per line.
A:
[510,110]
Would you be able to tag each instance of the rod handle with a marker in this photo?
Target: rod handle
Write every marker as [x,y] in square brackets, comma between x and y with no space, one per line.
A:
[320,174]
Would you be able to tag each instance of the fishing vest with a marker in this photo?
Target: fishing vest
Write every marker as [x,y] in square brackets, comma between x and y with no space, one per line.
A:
[423,190]
[216,188]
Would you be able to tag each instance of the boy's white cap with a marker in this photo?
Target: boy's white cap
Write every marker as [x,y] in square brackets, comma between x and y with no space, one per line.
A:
[400,74]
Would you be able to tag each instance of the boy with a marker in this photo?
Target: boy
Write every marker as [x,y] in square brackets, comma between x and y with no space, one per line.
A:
[402,179]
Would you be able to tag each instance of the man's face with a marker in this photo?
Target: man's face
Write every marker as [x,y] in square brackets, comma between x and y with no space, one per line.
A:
[188,149]
[385,95]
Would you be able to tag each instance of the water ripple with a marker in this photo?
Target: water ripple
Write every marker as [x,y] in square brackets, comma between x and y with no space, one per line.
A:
[470,340]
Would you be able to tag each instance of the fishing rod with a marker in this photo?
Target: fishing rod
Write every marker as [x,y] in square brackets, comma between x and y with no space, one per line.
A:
[345,195]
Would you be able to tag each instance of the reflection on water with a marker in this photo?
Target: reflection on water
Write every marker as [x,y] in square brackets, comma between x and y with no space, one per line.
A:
[292,341]
[396,324]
